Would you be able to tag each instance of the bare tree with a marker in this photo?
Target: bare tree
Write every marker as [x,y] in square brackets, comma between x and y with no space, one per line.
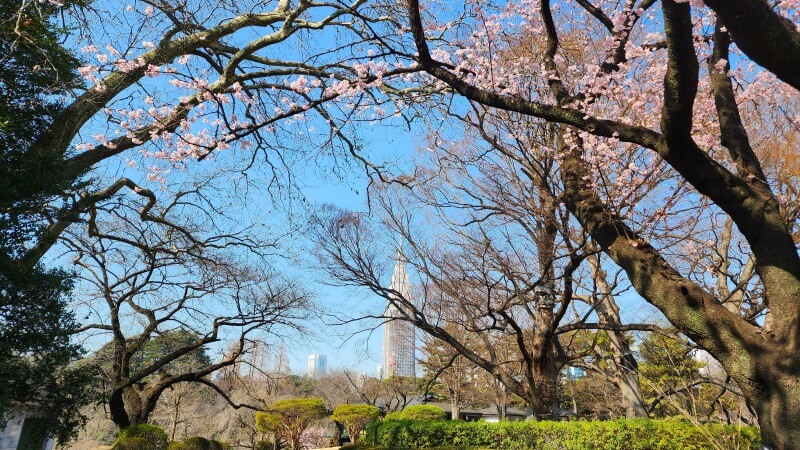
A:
[487,249]
[176,271]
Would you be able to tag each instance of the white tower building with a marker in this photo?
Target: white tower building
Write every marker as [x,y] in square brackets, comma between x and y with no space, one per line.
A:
[317,366]
[398,335]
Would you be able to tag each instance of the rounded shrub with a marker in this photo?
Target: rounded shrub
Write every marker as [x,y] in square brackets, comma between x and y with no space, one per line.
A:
[217,445]
[133,443]
[290,418]
[355,418]
[155,438]
[177,445]
[420,412]
[197,443]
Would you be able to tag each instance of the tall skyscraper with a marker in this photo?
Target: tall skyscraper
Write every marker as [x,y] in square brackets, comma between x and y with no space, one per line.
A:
[398,335]
[317,366]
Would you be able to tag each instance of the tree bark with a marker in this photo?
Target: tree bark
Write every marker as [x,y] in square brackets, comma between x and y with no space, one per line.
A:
[337,435]
[762,34]
[455,410]
[778,406]
[631,390]
[116,407]
[546,380]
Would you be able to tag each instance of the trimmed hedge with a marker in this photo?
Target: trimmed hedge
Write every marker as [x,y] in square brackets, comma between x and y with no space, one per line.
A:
[197,443]
[217,445]
[177,445]
[154,438]
[133,443]
[639,434]
[418,412]
[380,447]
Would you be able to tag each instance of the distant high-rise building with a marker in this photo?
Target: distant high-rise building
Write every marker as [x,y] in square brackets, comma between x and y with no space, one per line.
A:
[398,334]
[317,366]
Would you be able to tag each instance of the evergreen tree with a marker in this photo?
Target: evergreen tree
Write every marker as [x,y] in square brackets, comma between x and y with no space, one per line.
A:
[35,325]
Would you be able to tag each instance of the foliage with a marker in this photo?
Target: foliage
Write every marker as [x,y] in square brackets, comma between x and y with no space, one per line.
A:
[667,367]
[34,321]
[418,412]
[638,434]
[197,443]
[35,347]
[36,352]
[364,446]
[217,445]
[355,418]
[454,377]
[592,396]
[133,443]
[154,437]
[177,445]
[33,67]
[289,418]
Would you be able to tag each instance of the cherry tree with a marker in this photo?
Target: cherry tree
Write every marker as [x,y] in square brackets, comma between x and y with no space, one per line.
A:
[647,91]
[167,84]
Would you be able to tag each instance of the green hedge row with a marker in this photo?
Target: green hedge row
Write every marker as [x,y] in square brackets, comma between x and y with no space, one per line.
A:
[640,434]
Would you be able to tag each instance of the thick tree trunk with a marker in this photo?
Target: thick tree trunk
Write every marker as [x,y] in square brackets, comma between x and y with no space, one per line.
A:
[778,408]
[455,411]
[116,407]
[547,407]
[544,401]
[337,435]
[546,365]
[130,406]
[631,390]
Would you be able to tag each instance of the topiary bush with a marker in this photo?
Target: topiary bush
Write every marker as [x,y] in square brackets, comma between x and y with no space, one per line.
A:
[639,434]
[217,445]
[418,412]
[133,443]
[154,437]
[355,418]
[177,445]
[197,443]
[290,418]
